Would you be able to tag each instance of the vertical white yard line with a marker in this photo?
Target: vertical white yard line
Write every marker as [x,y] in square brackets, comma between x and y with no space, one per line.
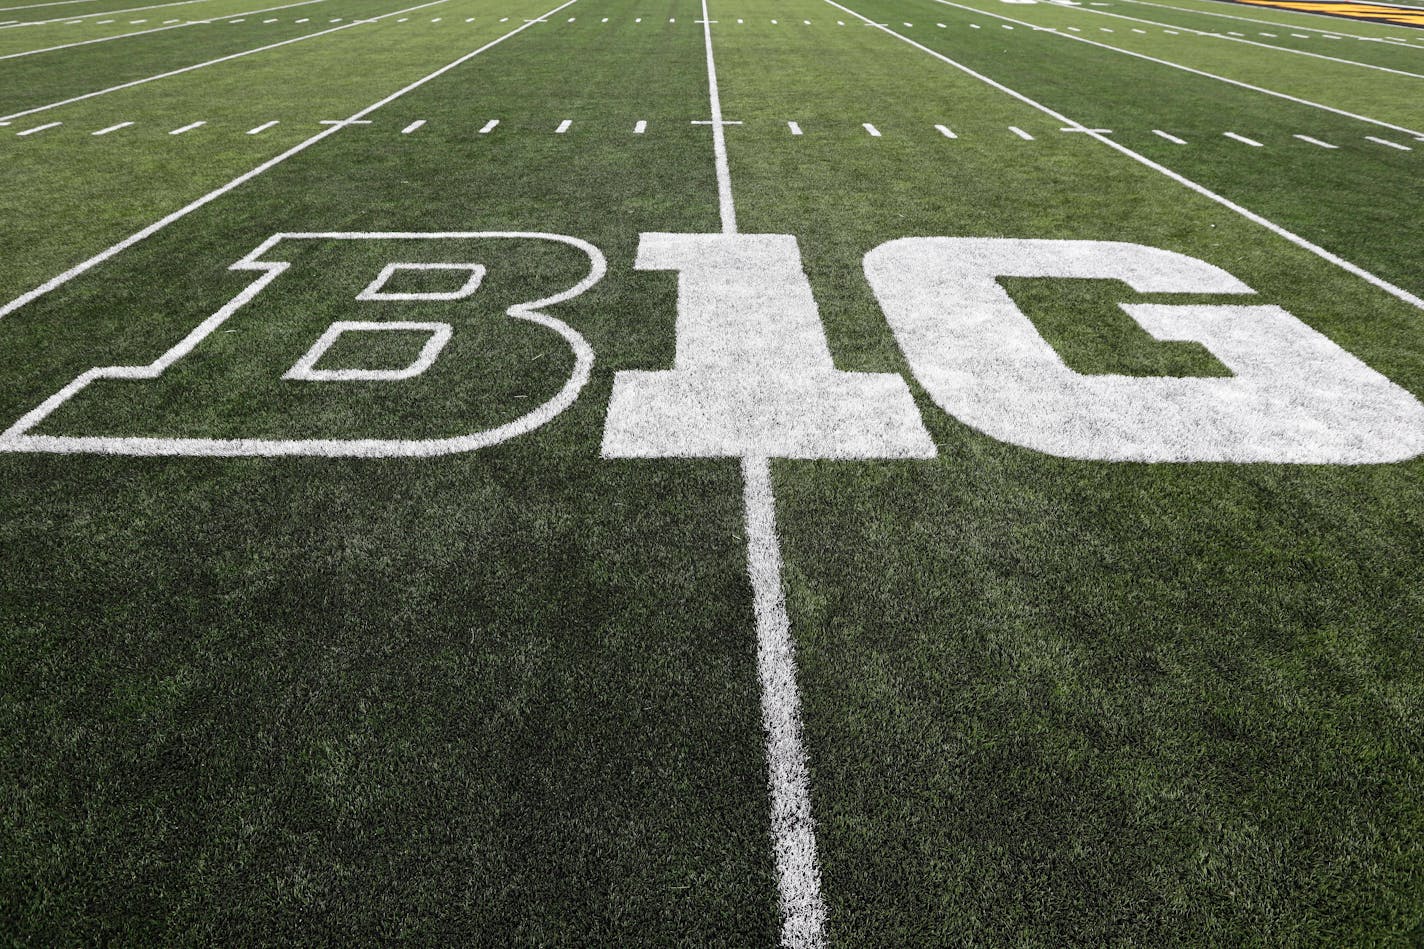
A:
[793,830]
[1395,291]
[719,137]
[123,245]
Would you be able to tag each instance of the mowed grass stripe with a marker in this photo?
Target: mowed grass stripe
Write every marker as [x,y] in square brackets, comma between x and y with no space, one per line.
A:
[1342,205]
[1384,97]
[65,179]
[530,711]
[1032,686]
[43,83]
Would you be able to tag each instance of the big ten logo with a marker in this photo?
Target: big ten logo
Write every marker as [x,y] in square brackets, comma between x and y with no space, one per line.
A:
[753,375]
[368,344]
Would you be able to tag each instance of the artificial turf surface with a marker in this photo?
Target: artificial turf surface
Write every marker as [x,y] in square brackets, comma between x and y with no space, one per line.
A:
[511,696]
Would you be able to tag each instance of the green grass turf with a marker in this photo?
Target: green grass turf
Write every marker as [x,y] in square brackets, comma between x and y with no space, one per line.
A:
[511,697]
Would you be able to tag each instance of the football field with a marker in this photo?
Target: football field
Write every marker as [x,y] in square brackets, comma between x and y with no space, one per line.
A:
[711,473]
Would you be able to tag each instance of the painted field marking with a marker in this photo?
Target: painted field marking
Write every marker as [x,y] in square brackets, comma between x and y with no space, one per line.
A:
[1243,139]
[874,132]
[563,126]
[85,266]
[1199,72]
[945,131]
[1244,19]
[412,126]
[261,128]
[489,126]
[112,128]
[187,128]
[794,127]
[641,127]
[1169,137]
[38,128]
[203,65]
[1020,133]
[1397,292]
[81,17]
[1302,36]
[32,6]
[1079,128]
[1385,141]
[1241,38]
[1314,141]
[344,122]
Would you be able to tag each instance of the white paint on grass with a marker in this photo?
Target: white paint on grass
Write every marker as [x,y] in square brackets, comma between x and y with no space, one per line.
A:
[794,127]
[1385,141]
[18,438]
[375,290]
[1392,289]
[489,126]
[39,128]
[1294,397]
[1243,139]
[641,127]
[187,128]
[1020,133]
[305,369]
[719,137]
[1169,137]
[874,132]
[945,131]
[412,127]
[211,62]
[262,128]
[112,128]
[563,126]
[147,232]
[1315,141]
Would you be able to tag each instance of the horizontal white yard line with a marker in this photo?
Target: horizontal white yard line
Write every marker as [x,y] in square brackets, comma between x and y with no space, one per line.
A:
[945,131]
[875,132]
[1393,290]
[213,62]
[156,29]
[795,127]
[641,127]
[1198,72]
[38,128]
[489,126]
[35,6]
[1314,141]
[261,128]
[1385,141]
[1243,139]
[147,232]
[188,128]
[412,126]
[1168,136]
[112,128]
[563,126]
[1020,133]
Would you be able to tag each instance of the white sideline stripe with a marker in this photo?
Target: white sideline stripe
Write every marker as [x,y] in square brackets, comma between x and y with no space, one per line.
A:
[1239,38]
[1385,141]
[112,128]
[874,132]
[102,39]
[32,6]
[187,128]
[1315,141]
[563,126]
[412,126]
[261,128]
[1022,134]
[1243,139]
[793,828]
[794,127]
[1395,291]
[641,127]
[211,62]
[719,137]
[87,265]
[793,832]
[38,128]
[77,18]
[945,131]
[1199,72]
[1246,19]
[1169,137]
[489,126]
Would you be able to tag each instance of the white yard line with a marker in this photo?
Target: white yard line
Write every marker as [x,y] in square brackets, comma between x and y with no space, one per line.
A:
[212,62]
[412,126]
[89,16]
[33,6]
[157,29]
[1315,141]
[798,872]
[1195,72]
[110,252]
[112,128]
[1276,23]
[1241,39]
[1169,137]
[1385,141]
[188,128]
[1398,292]
[261,128]
[1243,139]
